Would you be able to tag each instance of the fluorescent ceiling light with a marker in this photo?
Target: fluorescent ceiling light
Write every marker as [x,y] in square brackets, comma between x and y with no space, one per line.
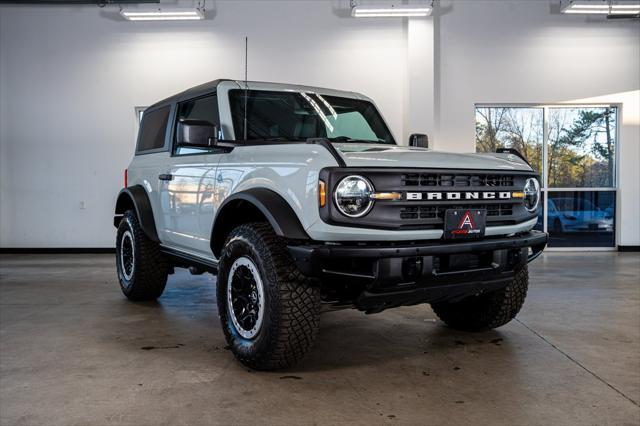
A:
[192,14]
[390,11]
[601,8]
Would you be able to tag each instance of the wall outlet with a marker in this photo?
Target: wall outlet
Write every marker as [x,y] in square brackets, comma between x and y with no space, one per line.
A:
[83,205]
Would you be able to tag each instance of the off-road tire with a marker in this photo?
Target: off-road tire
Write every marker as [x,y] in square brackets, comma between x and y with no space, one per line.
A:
[292,301]
[486,311]
[150,268]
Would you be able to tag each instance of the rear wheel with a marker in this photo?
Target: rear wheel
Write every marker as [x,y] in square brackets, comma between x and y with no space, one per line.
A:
[486,311]
[142,269]
[269,311]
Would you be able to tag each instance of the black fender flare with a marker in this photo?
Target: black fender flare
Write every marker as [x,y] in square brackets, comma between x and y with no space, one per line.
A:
[273,207]
[137,197]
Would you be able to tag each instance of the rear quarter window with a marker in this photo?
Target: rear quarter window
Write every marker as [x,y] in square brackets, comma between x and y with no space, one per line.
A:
[153,129]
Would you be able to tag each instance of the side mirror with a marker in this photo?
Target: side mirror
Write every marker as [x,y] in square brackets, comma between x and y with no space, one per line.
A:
[419,140]
[196,132]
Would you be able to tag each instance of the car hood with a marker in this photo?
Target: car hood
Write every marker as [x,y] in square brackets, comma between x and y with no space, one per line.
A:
[380,155]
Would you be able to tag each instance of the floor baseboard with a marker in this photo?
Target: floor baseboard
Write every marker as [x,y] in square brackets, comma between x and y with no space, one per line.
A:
[57,250]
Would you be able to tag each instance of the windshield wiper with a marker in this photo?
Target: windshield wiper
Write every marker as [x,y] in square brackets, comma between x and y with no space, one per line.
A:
[280,138]
[335,139]
[348,139]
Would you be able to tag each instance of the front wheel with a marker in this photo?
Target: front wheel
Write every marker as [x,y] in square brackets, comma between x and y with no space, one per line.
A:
[269,311]
[486,311]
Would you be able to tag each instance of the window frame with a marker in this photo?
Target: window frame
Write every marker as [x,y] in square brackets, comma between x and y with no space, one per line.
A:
[544,173]
[165,146]
[139,113]
[174,126]
[229,92]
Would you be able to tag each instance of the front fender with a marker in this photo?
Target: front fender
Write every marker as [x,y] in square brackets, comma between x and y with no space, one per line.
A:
[275,209]
[251,204]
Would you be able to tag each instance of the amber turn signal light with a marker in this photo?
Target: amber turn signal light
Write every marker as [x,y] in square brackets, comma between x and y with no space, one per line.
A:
[386,196]
[517,195]
[322,193]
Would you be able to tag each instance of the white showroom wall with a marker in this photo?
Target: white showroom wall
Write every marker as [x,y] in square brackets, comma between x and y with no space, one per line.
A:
[70,78]
[506,52]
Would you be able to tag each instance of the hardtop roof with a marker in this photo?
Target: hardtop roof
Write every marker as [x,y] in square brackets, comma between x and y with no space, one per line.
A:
[211,86]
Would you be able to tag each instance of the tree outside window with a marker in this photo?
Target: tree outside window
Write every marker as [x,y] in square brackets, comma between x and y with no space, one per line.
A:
[575,158]
[582,147]
[518,128]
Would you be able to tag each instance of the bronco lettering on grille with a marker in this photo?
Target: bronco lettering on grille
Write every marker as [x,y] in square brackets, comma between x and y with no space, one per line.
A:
[484,195]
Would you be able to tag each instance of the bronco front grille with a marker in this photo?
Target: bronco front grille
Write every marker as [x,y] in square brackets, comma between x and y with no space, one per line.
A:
[437,212]
[448,180]
[419,208]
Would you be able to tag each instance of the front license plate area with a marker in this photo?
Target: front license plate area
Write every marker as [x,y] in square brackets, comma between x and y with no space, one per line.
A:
[464,223]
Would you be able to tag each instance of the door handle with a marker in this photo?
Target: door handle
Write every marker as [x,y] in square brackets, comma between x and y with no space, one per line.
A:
[166,176]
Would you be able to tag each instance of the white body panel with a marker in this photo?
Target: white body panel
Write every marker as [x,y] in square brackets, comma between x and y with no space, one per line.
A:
[189,202]
[185,207]
[378,155]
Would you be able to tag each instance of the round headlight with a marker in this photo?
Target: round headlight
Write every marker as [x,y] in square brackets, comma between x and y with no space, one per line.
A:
[531,194]
[353,196]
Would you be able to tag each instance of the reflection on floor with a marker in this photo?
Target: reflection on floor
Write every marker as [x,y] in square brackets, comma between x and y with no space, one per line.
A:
[74,351]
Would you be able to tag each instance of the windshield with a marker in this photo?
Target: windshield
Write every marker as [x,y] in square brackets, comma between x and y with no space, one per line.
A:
[296,116]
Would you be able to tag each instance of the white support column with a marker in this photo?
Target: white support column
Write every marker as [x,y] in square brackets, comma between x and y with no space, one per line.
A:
[421,106]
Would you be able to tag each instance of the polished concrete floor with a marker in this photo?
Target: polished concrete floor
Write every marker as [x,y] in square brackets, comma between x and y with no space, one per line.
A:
[73,350]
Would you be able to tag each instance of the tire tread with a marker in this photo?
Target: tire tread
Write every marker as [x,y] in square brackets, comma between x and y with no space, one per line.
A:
[486,311]
[295,319]
[151,268]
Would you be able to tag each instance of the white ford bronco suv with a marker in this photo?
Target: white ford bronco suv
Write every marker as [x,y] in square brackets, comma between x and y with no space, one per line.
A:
[301,201]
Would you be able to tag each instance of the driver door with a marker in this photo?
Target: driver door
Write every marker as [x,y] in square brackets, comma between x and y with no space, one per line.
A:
[187,195]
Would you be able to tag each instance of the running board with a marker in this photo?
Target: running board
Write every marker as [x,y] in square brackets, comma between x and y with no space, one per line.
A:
[186,260]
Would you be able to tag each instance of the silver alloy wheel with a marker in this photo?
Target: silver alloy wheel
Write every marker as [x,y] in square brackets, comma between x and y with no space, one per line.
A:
[245,297]
[127,255]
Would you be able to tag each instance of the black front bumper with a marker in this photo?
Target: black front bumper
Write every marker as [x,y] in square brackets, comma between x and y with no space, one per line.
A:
[376,276]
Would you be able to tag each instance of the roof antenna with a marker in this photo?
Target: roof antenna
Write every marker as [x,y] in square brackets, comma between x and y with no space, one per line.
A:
[246,86]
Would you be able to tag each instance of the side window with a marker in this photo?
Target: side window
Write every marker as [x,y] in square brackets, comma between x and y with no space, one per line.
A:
[153,129]
[203,109]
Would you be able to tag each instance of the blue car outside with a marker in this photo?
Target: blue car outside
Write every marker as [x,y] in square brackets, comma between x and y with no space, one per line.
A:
[576,215]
